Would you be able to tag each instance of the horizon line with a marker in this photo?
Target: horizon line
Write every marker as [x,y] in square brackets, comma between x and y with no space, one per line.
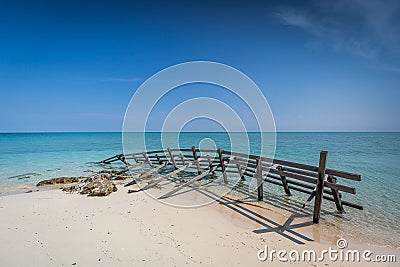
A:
[45,132]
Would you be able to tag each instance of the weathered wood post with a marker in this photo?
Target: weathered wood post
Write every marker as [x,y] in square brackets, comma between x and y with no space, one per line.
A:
[221,161]
[159,159]
[320,185]
[182,159]
[195,157]
[146,157]
[122,158]
[284,182]
[240,171]
[210,165]
[172,158]
[336,194]
[260,189]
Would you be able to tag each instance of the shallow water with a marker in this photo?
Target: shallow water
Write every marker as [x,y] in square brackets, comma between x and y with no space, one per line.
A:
[26,159]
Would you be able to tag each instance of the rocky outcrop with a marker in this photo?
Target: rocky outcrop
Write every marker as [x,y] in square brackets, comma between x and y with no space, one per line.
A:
[100,185]
[60,180]
[115,174]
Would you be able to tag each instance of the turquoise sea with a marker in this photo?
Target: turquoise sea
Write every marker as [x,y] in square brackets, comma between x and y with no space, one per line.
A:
[26,158]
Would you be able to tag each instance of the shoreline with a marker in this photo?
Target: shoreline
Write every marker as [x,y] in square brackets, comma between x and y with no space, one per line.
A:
[58,228]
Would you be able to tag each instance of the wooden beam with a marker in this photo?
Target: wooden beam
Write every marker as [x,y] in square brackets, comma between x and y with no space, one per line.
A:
[336,195]
[258,175]
[239,170]
[195,157]
[284,182]
[147,159]
[182,159]
[109,160]
[320,185]
[221,160]
[347,175]
[159,159]
[210,166]
[172,158]
[340,187]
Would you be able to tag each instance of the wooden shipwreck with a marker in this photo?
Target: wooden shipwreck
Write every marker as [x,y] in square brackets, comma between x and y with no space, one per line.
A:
[319,182]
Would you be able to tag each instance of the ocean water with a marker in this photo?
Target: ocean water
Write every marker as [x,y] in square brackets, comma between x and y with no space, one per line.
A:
[26,158]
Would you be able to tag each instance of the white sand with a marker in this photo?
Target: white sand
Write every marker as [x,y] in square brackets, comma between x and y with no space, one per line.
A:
[52,228]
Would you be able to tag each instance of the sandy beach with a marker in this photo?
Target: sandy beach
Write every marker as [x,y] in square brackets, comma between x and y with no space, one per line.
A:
[53,228]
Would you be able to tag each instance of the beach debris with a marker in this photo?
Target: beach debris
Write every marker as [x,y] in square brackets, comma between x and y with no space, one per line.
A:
[29,191]
[60,180]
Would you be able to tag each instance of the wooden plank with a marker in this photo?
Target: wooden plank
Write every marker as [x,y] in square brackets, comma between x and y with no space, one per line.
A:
[335,193]
[320,185]
[107,161]
[182,159]
[293,175]
[276,161]
[198,177]
[258,175]
[240,171]
[293,182]
[219,151]
[195,158]
[171,156]
[340,187]
[296,165]
[210,165]
[154,151]
[345,203]
[347,175]
[206,150]
[285,184]
[298,171]
[147,159]
[180,150]
[158,159]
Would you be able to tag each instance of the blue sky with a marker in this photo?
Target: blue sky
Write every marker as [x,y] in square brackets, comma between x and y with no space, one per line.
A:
[323,66]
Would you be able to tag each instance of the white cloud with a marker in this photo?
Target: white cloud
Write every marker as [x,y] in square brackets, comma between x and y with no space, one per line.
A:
[369,29]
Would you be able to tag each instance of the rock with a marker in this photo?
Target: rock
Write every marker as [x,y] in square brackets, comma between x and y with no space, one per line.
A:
[70,189]
[60,180]
[98,186]
[29,191]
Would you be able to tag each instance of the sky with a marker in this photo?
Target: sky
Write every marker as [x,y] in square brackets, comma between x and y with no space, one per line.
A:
[321,65]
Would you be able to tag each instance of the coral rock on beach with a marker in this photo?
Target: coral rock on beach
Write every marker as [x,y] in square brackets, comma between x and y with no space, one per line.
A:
[60,180]
[98,186]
